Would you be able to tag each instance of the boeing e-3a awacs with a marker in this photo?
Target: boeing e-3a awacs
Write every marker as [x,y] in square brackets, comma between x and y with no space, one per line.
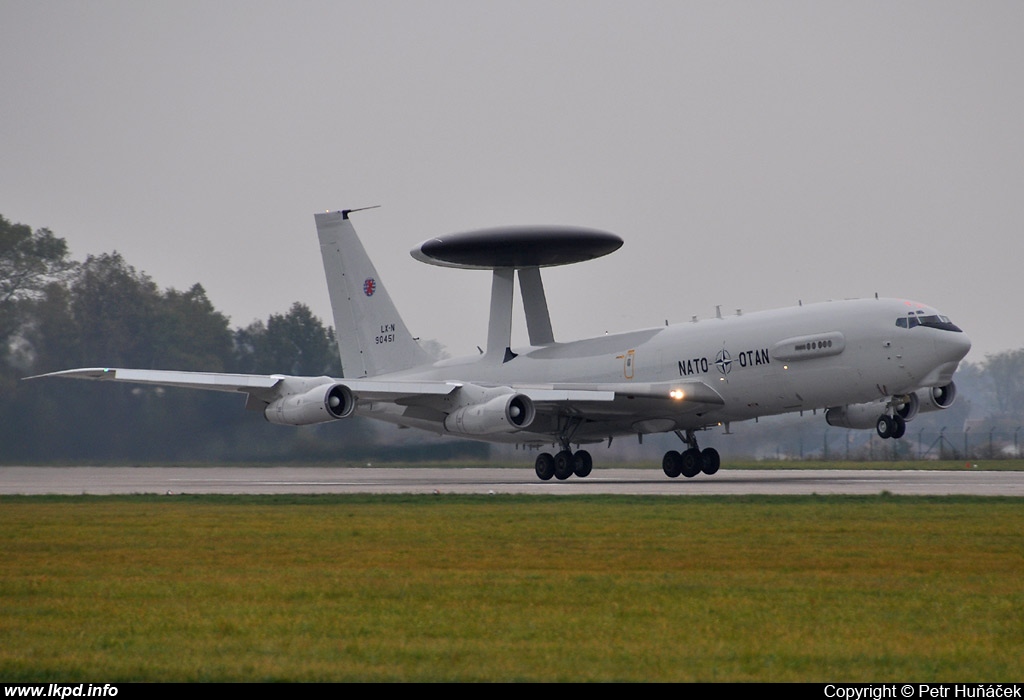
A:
[871,363]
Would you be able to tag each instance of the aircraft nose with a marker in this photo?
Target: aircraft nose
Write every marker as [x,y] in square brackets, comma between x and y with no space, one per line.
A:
[954,346]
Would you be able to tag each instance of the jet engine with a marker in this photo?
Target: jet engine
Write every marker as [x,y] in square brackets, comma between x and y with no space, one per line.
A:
[859,416]
[934,398]
[506,413]
[937,397]
[862,416]
[911,405]
[320,404]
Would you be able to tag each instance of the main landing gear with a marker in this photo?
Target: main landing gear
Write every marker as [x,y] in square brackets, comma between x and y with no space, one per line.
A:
[566,462]
[563,465]
[691,461]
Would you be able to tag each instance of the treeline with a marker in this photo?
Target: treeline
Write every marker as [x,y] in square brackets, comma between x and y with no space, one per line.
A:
[57,313]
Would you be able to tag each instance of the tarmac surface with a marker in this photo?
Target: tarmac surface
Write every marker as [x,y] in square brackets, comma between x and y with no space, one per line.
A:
[484,480]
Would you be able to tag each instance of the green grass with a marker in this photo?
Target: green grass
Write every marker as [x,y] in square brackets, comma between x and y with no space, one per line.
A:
[438,588]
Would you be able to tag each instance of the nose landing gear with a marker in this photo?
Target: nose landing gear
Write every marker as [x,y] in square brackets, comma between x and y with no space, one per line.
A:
[891,426]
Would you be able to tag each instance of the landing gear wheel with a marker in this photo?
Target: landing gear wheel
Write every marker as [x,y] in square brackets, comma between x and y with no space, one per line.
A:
[691,463]
[672,464]
[563,465]
[885,427]
[582,463]
[544,466]
[899,427]
[712,461]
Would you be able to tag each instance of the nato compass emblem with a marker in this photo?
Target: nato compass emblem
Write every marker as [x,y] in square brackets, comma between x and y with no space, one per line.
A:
[723,360]
[369,286]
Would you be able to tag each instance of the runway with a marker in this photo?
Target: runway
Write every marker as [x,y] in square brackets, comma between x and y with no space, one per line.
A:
[483,480]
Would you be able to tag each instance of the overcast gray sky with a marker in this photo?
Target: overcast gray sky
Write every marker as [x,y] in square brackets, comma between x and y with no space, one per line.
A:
[751,154]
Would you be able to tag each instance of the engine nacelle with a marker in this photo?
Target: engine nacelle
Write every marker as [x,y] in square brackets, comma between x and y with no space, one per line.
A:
[859,416]
[937,397]
[907,407]
[507,413]
[321,404]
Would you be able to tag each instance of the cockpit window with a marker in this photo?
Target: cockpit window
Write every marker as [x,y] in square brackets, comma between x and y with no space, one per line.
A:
[941,322]
[928,320]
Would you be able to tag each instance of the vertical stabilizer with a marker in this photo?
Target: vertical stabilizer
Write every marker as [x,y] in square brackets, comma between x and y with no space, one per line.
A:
[372,337]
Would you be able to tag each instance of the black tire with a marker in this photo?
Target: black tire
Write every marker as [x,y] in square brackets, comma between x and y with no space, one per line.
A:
[691,463]
[563,465]
[672,464]
[582,464]
[544,466]
[885,427]
[712,461]
[899,427]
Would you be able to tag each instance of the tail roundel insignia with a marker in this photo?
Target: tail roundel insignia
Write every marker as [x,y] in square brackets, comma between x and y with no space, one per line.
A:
[369,286]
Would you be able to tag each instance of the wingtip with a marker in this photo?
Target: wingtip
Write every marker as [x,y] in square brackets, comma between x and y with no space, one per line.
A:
[84,373]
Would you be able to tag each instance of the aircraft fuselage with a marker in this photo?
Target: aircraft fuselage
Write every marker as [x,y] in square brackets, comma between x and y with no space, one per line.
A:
[762,363]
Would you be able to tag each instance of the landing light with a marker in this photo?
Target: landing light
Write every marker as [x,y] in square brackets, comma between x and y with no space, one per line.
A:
[677,394]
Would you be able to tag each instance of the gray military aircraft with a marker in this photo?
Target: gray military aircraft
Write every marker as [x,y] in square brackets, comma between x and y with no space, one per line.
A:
[870,363]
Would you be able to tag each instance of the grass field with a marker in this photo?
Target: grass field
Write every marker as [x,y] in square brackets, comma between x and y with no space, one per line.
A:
[439,588]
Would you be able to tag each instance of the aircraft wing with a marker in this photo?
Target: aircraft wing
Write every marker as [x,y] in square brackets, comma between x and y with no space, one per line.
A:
[620,397]
[590,412]
[265,387]
[302,400]
[694,391]
[632,408]
[190,380]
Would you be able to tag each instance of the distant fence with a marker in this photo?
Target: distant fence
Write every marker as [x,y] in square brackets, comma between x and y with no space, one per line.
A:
[925,443]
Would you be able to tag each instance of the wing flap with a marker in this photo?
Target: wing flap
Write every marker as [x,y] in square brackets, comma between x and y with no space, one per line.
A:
[621,407]
[545,395]
[685,392]
[397,390]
